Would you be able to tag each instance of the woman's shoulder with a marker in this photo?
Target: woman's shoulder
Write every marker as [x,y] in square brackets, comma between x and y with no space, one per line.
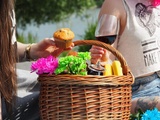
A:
[114,7]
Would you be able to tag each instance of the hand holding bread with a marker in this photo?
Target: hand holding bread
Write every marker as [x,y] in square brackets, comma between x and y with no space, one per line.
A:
[61,40]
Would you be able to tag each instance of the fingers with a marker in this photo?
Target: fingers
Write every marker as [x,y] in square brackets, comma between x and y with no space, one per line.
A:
[96,53]
[50,42]
[45,43]
[57,52]
[72,45]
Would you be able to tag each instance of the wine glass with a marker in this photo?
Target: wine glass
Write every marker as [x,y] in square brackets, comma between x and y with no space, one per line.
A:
[106,31]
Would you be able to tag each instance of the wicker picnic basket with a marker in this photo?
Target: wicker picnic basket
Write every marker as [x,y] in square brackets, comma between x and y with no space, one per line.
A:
[91,97]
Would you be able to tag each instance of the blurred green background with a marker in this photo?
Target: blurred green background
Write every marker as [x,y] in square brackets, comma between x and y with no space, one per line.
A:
[36,13]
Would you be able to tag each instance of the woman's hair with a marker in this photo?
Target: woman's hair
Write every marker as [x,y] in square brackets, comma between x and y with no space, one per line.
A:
[7,52]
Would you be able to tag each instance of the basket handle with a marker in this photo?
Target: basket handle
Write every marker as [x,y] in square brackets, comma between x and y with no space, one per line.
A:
[115,52]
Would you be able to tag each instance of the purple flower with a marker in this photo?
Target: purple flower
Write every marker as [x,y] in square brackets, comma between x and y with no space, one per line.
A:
[45,65]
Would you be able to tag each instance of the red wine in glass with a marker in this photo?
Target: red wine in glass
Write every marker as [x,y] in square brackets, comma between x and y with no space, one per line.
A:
[107,39]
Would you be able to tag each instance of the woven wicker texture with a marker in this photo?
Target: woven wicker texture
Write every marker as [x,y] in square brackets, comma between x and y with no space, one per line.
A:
[91,97]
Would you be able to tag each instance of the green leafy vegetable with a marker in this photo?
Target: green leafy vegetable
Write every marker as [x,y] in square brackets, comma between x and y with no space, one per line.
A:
[84,55]
[73,64]
[137,116]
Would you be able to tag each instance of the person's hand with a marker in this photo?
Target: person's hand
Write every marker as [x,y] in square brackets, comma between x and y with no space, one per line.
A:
[45,48]
[97,53]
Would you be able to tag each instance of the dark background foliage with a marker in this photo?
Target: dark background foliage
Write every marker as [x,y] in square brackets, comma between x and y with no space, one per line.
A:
[39,12]
[45,11]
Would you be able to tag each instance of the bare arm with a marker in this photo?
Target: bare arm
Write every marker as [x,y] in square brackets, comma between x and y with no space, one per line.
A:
[112,7]
[21,50]
[43,48]
[115,7]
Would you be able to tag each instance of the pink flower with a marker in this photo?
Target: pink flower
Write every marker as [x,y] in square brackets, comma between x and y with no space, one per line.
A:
[156,3]
[45,65]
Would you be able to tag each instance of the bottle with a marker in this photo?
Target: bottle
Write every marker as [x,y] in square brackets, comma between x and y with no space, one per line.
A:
[92,72]
[95,69]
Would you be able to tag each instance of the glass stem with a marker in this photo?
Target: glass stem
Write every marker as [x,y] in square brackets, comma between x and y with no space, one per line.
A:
[98,66]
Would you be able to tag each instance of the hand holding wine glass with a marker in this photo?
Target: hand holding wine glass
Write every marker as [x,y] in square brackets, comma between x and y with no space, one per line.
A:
[106,31]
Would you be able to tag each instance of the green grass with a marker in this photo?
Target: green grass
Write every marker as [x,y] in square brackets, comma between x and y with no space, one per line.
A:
[30,38]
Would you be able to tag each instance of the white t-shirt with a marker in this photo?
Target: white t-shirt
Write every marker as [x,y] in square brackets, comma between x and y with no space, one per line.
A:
[140,41]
